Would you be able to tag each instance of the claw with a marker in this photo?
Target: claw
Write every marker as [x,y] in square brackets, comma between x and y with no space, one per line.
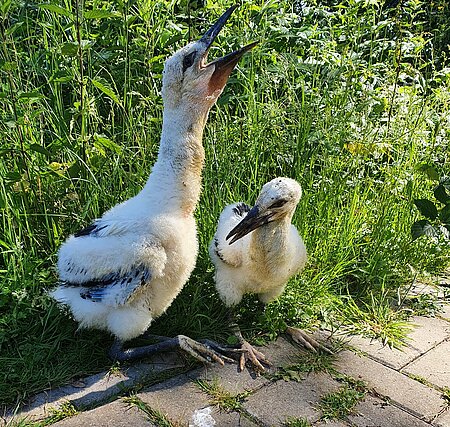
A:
[253,356]
[223,350]
[304,339]
[206,351]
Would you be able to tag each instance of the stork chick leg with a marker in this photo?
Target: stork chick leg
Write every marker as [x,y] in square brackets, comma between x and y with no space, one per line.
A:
[250,354]
[202,352]
[213,345]
[306,340]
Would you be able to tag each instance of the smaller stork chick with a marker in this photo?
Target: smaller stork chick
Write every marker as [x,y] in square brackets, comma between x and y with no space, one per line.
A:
[256,250]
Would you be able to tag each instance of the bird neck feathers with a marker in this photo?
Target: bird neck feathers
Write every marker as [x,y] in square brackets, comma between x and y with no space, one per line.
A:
[269,242]
[177,174]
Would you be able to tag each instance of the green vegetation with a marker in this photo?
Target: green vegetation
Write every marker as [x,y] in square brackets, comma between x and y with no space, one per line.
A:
[439,216]
[349,98]
[340,403]
[65,410]
[307,363]
[221,397]
[446,395]
[156,417]
[296,422]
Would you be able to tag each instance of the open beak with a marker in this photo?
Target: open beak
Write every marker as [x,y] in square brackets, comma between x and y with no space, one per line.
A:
[252,221]
[225,65]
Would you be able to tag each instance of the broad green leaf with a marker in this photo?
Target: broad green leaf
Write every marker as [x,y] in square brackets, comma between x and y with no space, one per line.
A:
[69,49]
[427,208]
[39,149]
[422,228]
[106,90]
[74,171]
[441,194]
[99,14]
[444,214]
[429,170]
[56,9]
[103,141]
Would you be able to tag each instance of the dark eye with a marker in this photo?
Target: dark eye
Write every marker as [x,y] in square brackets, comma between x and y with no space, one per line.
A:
[278,204]
[188,60]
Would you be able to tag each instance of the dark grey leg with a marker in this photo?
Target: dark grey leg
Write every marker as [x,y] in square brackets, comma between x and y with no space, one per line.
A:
[202,352]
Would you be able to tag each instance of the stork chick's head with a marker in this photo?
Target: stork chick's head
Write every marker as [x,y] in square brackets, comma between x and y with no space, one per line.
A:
[189,81]
[277,200]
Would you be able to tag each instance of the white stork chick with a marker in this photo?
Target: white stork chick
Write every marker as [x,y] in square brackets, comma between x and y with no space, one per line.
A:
[256,250]
[125,269]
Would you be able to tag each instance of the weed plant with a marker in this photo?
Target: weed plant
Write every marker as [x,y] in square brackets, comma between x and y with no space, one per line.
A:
[348,97]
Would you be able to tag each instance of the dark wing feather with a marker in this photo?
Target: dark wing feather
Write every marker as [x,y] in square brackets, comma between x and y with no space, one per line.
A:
[217,250]
[91,230]
[114,288]
[241,209]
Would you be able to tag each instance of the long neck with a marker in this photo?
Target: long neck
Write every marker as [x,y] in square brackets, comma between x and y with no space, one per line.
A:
[175,181]
[269,243]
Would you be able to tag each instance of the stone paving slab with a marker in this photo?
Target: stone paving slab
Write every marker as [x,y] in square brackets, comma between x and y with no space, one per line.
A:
[374,412]
[443,420]
[427,289]
[117,414]
[434,365]
[176,398]
[331,424]
[428,332]
[98,388]
[408,394]
[276,402]
[445,313]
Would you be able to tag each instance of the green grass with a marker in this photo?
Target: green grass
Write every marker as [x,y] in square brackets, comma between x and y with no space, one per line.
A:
[220,397]
[65,410]
[154,416]
[351,100]
[307,362]
[340,403]
[296,422]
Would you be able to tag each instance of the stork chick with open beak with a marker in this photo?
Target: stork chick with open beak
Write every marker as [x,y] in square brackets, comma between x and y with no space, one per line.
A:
[257,250]
[125,269]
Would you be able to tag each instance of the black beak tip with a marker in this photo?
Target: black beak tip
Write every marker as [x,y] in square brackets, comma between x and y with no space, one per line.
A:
[213,31]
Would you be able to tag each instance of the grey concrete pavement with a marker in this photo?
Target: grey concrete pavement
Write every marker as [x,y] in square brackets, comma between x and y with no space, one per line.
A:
[402,389]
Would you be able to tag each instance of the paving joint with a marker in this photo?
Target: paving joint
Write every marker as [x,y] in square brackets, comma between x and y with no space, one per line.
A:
[423,354]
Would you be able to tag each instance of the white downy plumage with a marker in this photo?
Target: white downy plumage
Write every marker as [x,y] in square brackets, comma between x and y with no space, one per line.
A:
[256,250]
[126,268]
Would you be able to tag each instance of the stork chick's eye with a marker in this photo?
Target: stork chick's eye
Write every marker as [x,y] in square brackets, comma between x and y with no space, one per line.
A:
[188,60]
[278,204]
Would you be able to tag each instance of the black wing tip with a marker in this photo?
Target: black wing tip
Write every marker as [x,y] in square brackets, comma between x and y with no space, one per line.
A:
[241,209]
[90,230]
